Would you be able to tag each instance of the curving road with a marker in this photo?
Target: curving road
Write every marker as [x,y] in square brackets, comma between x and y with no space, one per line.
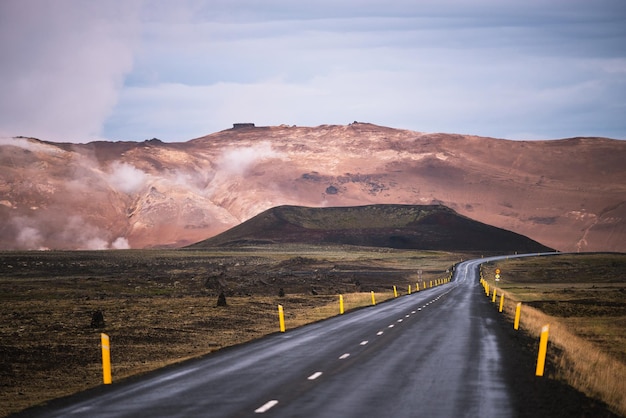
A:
[433,353]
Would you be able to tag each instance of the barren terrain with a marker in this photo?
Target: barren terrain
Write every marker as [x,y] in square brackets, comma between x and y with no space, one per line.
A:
[160,306]
[566,194]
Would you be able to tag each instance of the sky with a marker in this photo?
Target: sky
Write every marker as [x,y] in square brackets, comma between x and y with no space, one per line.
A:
[82,70]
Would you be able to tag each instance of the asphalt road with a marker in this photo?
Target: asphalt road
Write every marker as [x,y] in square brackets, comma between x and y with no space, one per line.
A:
[434,353]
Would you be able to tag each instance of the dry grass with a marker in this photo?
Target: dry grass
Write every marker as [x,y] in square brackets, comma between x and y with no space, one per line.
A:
[159,310]
[146,334]
[588,357]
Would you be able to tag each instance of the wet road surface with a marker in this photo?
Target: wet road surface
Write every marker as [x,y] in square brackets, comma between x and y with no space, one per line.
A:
[433,353]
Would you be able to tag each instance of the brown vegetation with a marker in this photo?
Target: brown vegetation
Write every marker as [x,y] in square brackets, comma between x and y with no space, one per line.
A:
[582,298]
[160,307]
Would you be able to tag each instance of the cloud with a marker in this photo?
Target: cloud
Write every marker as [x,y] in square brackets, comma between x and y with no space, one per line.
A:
[126,177]
[487,68]
[63,64]
[79,70]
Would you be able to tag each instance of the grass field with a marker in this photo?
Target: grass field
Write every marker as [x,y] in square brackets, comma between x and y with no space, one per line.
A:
[160,306]
[583,298]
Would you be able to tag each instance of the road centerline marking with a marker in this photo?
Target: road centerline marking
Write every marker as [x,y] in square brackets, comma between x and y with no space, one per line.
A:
[364,342]
[266,407]
[314,376]
[379,333]
[344,356]
[390,326]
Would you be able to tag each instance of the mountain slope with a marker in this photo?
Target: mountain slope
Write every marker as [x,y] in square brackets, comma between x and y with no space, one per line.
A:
[433,227]
[568,194]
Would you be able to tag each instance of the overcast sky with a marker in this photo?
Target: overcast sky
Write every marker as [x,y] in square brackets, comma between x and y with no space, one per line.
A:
[74,70]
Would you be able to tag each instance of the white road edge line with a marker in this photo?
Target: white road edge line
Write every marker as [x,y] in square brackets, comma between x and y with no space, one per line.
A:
[314,376]
[266,407]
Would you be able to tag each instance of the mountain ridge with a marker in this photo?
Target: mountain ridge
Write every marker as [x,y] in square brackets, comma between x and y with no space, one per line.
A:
[567,194]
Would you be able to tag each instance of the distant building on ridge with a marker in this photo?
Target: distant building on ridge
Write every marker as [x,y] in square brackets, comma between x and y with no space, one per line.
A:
[243,125]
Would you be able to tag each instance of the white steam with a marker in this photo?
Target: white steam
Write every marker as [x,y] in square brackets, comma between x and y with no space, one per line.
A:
[30,145]
[75,233]
[238,160]
[126,177]
[29,237]
[120,243]
[63,65]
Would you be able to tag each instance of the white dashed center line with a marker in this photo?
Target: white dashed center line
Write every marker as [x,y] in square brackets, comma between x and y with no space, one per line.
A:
[344,356]
[379,333]
[314,376]
[400,320]
[390,326]
[266,407]
[364,342]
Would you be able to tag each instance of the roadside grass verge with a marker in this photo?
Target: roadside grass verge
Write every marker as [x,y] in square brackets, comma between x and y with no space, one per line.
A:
[582,298]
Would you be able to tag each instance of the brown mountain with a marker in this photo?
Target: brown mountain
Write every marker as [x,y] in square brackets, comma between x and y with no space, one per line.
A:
[425,227]
[567,194]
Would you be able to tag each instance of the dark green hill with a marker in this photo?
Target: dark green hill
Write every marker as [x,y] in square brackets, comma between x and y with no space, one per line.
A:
[433,227]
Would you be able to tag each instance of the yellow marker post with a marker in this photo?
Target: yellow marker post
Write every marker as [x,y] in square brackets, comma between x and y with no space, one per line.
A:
[409,289]
[493,298]
[341,304]
[373,299]
[417,287]
[106,358]
[518,311]
[543,348]
[395,292]
[431,284]
[281,318]
[501,302]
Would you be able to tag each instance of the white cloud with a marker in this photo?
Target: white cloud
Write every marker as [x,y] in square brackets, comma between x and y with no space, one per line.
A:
[485,67]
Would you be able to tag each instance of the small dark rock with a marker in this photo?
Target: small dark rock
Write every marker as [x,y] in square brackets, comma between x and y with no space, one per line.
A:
[97,319]
[221,300]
